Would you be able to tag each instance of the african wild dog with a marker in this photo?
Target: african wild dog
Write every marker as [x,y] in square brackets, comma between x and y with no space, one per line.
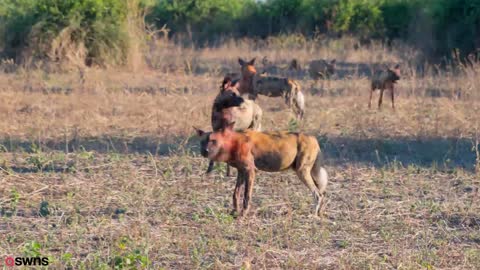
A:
[229,107]
[266,151]
[321,69]
[292,69]
[255,85]
[295,65]
[384,79]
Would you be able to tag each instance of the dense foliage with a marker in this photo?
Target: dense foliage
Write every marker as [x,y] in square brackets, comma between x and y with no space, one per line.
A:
[435,26]
[47,28]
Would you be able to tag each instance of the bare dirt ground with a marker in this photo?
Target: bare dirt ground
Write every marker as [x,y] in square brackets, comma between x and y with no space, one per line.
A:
[100,169]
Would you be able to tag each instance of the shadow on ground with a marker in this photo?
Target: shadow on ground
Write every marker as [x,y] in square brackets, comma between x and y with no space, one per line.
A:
[428,152]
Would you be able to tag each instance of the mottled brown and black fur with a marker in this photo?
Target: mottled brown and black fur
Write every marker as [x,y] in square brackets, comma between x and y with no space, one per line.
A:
[384,79]
[254,85]
[229,107]
[321,69]
[266,151]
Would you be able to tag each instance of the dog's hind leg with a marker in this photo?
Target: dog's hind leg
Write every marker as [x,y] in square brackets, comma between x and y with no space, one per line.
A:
[305,175]
[306,159]
[320,176]
[380,98]
[370,99]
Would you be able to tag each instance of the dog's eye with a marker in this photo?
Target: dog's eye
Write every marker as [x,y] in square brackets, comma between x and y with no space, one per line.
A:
[214,142]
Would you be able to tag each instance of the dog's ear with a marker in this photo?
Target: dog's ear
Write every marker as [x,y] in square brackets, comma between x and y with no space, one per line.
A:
[199,131]
[252,62]
[241,61]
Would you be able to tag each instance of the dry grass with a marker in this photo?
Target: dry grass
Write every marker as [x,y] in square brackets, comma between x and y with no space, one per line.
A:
[111,153]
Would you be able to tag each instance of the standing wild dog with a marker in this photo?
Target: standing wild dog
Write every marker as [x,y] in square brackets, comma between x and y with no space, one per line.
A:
[289,69]
[255,84]
[321,69]
[266,151]
[384,79]
[229,107]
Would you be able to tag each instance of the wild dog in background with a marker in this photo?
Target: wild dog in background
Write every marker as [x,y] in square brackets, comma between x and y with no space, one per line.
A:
[229,107]
[321,69]
[384,79]
[266,151]
[253,84]
[289,70]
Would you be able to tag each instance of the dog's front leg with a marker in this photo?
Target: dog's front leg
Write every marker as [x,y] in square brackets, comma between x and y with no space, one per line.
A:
[392,93]
[249,178]
[236,193]
[228,170]
[210,167]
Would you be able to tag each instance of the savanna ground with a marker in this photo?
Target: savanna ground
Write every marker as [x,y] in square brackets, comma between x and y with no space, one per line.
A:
[100,168]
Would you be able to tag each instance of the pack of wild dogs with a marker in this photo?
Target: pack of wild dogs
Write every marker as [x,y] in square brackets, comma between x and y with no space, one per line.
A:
[237,139]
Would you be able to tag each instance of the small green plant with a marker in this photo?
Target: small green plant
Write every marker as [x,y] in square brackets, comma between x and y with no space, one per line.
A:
[44,210]
[38,159]
[11,210]
[114,157]
[126,257]
[67,259]
[85,155]
[293,125]
[32,249]
[343,244]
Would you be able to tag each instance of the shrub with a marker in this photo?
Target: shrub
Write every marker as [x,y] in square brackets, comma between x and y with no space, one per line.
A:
[456,25]
[108,31]
[201,19]
[93,31]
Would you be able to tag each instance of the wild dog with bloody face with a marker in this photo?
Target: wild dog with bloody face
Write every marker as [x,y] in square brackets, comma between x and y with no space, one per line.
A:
[266,151]
[253,84]
[231,108]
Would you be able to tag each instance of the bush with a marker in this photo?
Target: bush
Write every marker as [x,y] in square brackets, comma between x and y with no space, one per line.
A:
[106,31]
[437,27]
[201,19]
[398,16]
[362,17]
[457,25]
[94,31]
